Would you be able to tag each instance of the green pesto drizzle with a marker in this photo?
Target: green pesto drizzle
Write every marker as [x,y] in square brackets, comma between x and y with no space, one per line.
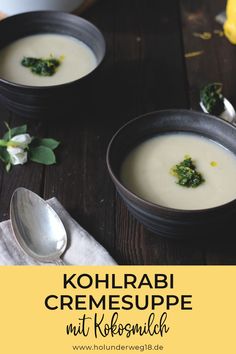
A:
[41,66]
[187,174]
[212,98]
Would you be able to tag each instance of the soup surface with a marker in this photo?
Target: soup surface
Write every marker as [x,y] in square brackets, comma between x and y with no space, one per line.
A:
[77,59]
[146,171]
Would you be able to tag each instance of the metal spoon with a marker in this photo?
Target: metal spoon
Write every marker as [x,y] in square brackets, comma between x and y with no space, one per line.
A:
[229,113]
[38,229]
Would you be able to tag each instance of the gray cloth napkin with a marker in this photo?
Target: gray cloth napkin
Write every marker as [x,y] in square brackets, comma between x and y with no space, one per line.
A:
[82,248]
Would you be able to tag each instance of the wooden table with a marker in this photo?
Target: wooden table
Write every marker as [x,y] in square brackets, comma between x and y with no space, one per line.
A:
[145,69]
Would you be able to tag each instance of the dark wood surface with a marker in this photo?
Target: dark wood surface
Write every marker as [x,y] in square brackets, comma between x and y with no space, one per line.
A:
[144,70]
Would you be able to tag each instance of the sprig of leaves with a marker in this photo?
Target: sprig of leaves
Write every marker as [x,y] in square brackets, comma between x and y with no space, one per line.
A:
[38,150]
[41,151]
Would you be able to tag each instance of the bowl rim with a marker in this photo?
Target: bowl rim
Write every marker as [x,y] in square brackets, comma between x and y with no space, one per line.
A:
[144,201]
[59,13]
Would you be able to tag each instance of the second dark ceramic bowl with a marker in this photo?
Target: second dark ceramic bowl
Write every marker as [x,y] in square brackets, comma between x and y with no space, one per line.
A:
[164,221]
[48,101]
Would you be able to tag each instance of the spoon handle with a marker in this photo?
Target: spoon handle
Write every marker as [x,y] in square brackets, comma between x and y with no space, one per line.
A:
[60,262]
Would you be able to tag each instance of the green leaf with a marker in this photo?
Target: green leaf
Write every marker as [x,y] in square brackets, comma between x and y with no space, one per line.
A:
[15,131]
[42,154]
[48,142]
[3,143]
[4,155]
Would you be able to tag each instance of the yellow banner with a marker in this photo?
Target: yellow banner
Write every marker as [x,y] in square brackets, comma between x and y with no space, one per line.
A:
[157,309]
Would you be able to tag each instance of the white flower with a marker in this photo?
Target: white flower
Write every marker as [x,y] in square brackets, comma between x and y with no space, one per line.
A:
[23,139]
[18,156]
[16,148]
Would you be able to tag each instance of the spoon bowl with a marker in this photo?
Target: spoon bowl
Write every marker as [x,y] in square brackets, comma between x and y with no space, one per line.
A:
[38,229]
[229,113]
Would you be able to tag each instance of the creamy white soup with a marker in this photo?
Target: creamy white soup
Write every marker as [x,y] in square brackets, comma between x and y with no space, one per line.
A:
[76,59]
[147,171]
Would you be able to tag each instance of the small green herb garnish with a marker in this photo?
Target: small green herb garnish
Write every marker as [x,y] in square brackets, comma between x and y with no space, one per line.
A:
[187,174]
[41,66]
[212,98]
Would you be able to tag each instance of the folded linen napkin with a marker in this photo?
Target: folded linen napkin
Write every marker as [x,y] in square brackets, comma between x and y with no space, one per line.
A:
[82,248]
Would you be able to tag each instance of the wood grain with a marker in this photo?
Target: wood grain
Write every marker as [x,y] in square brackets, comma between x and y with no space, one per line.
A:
[216,64]
[144,70]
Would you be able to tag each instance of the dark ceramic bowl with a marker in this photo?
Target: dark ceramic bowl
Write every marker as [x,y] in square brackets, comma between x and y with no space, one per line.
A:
[48,101]
[165,221]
